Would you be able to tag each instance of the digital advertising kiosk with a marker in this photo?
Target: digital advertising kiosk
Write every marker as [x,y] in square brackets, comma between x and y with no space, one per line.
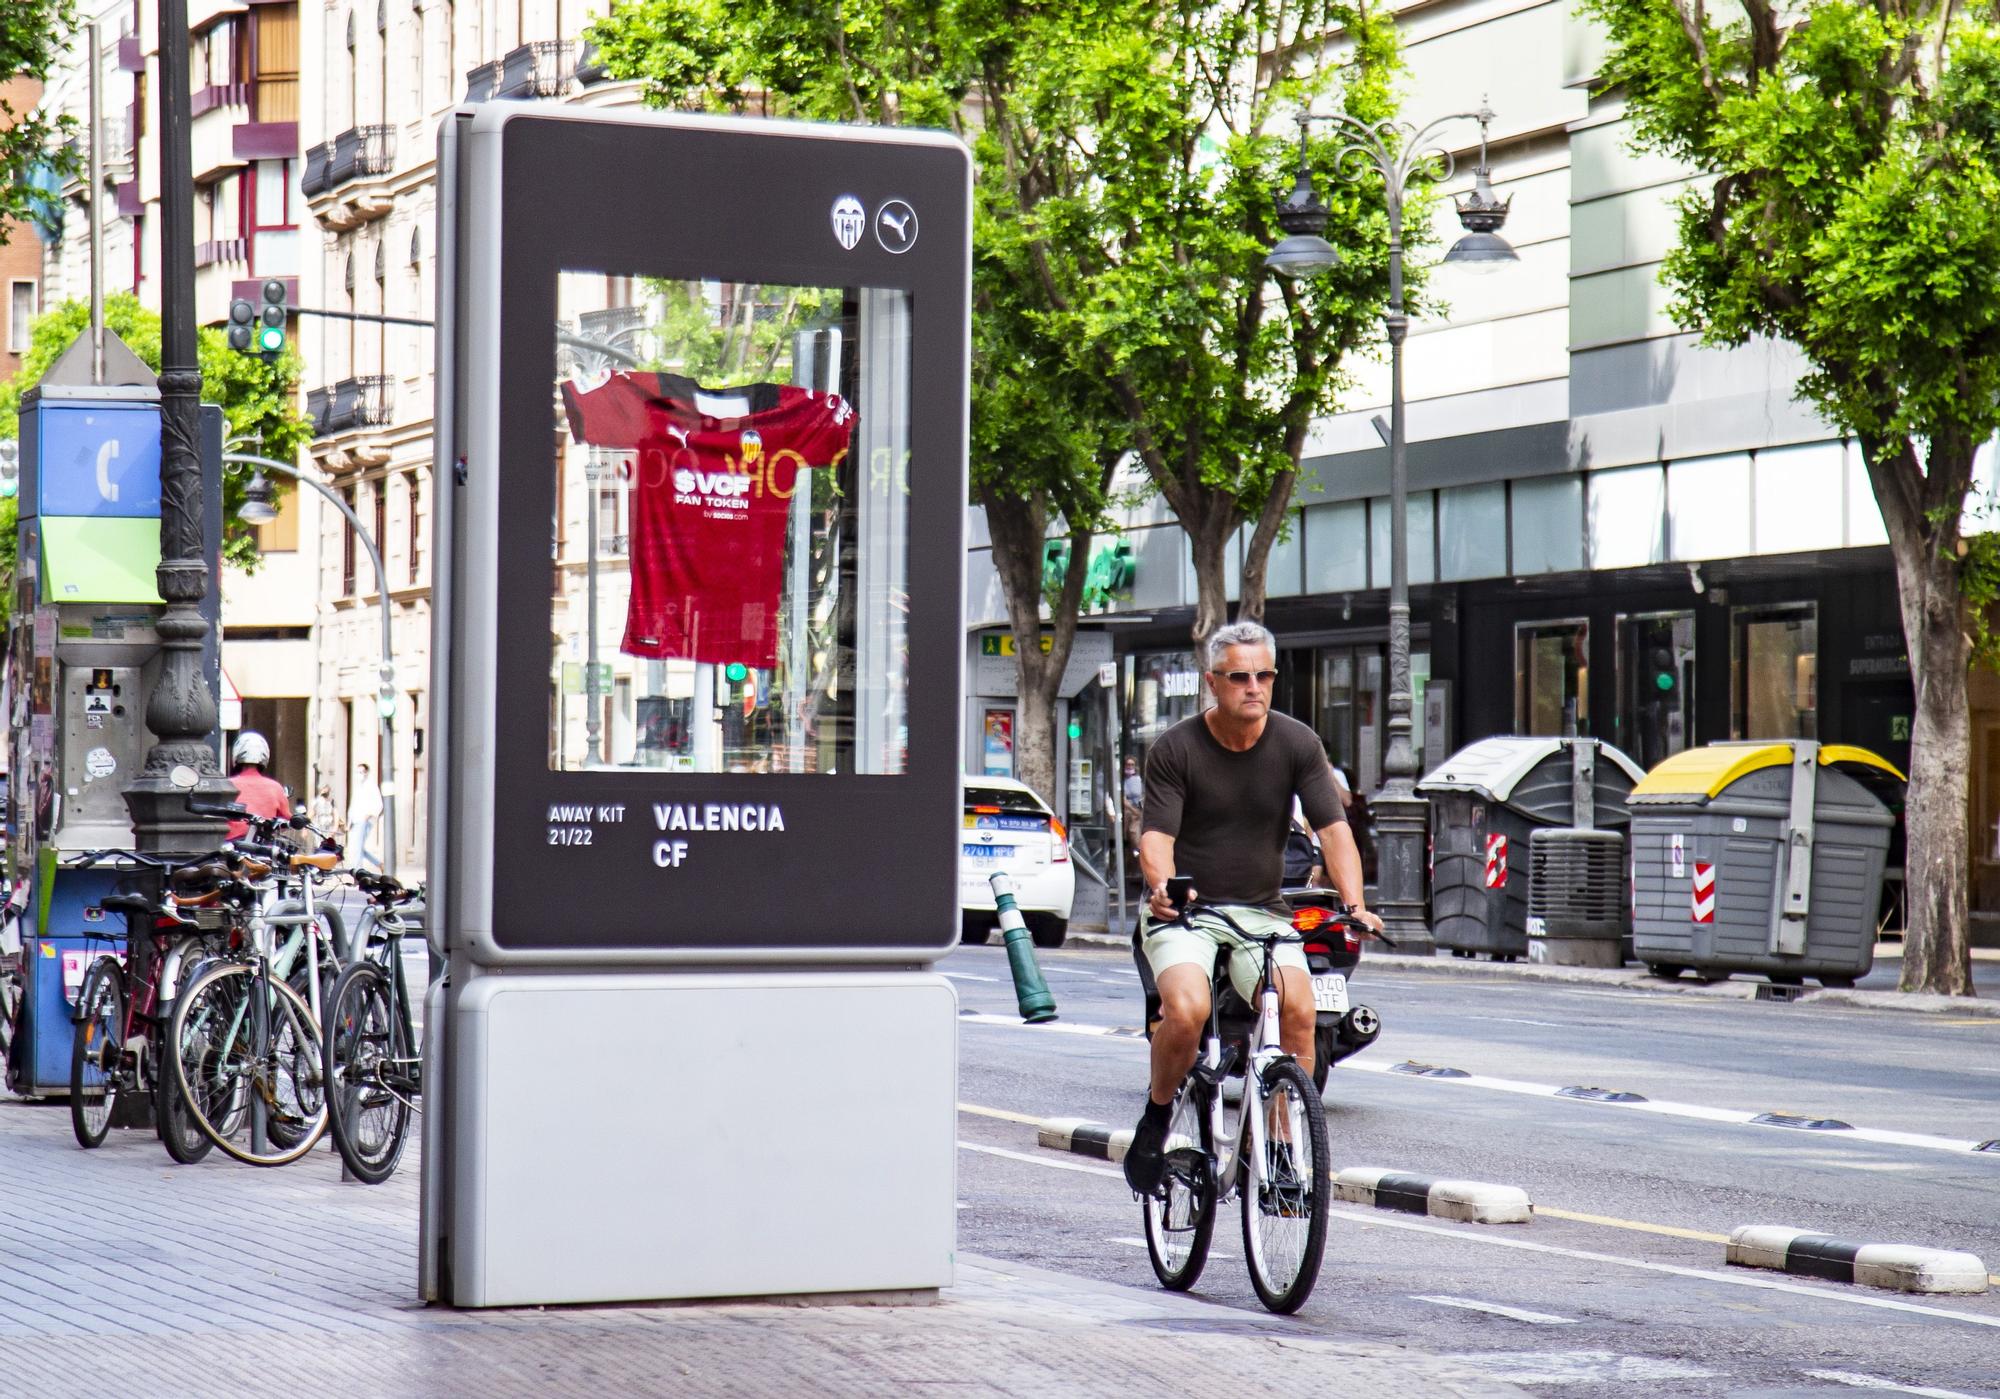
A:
[702,456]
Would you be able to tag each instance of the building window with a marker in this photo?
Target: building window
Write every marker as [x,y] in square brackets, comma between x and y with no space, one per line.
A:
[1472,532]
[276,94]
[1552,677]
[21,308]
[348,545]
[1774,672]
[1545,521]
[415,553]
[1418,531]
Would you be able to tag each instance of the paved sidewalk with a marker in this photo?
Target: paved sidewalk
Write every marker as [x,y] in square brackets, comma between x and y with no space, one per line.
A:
[122,1272]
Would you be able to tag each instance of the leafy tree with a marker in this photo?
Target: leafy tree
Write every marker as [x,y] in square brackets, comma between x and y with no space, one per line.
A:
[255,398]
[1144,155]
[1855,213]
[1045,435]
[33,36]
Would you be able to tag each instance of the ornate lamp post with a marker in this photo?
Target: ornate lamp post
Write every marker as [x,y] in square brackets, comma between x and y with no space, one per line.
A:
[1397,152]
[181,708]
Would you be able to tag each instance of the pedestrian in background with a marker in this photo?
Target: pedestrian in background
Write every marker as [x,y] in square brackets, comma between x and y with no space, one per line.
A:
[364,811]
[1134,795]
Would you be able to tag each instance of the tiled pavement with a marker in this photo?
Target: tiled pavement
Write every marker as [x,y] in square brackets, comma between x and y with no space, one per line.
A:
[123,1273]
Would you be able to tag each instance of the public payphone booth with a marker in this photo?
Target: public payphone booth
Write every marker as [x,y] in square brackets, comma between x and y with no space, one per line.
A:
[81,657]
[694,846]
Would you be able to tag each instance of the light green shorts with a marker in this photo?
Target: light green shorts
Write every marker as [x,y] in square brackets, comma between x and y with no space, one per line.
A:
[1176,944]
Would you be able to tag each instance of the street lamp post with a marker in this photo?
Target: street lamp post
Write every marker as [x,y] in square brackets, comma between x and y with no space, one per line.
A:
[181,708]
[258,510]
[1398,152]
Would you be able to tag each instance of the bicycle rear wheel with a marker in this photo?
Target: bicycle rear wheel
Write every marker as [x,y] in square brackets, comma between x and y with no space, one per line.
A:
[1285,1195]
[96,1053]
[239,1072]
[369,1062]
[1180,1221]
[179,1132]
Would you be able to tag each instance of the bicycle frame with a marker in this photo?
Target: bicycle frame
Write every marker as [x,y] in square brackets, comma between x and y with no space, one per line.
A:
[1265,1049]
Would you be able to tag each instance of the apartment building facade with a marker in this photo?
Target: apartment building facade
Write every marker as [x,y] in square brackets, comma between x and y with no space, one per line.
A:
[244,94]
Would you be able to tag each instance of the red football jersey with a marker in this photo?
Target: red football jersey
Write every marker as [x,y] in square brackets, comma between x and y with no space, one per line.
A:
[711,497]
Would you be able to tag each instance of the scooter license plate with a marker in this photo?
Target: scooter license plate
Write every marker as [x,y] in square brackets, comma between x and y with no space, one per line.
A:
[1330,993]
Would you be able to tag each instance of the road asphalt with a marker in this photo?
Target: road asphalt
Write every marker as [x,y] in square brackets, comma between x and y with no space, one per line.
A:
[1619,1284]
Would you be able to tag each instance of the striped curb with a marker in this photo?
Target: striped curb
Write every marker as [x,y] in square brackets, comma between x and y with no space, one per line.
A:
[1897,1267]
[1082,1137]
[1468,1201]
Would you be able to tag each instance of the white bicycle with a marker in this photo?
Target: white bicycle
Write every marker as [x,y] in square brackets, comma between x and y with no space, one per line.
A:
[1274,1160]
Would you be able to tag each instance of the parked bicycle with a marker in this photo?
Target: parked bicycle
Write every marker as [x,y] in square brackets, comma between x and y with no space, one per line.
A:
[375,1061]
[1274,1159]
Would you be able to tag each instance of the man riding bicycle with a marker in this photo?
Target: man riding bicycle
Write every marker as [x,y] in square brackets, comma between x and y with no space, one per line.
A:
[1219,790]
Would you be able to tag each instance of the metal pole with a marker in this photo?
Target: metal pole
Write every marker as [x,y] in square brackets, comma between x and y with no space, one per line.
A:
[181,708]
[90,204]
[1402,817]
[386,692]
[593,709]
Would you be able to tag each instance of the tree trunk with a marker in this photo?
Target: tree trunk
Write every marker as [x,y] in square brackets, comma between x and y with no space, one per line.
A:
[1255,589]
[1018,526]
[1209,537]
[1937,952]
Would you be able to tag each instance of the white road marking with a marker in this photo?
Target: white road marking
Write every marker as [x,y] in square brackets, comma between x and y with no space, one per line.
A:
[1734,1117]
[968,976]
[1052,1163]
[1857,1381]
[1863,1165]
[1510,1020]
[1829,1293]
[1578,1367]
[1141,1243]
[1511,1313]
[1373,1219]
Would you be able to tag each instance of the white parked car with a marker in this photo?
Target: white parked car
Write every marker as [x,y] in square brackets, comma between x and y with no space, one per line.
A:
[1010,830]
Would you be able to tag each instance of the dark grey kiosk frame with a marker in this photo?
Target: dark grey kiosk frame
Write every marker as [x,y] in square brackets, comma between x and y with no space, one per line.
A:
[813,942]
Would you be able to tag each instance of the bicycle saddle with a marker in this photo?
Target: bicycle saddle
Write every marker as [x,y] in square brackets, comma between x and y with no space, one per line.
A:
[128,903]
[198,882]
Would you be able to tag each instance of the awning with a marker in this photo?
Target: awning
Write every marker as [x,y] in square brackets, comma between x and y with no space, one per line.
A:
[1704,772]
[100,560]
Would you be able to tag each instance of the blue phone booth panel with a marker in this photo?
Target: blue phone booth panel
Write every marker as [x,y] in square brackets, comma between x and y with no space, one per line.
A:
[78,932]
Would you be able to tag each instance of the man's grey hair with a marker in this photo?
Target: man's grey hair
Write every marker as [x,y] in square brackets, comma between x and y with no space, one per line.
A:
[1239,634]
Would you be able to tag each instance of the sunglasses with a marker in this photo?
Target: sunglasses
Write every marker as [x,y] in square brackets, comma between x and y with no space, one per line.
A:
[1244,677]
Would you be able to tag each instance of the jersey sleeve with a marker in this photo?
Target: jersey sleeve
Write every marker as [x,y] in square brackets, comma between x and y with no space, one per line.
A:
[610,415]
[1166,789]
[1312,782]
[825,428]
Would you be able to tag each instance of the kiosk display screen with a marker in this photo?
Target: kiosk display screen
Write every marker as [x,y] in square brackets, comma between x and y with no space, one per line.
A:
[731,527]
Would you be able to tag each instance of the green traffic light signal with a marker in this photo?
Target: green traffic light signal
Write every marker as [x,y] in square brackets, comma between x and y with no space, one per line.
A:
[1075,730]
[1664,680]
[736,672]
[270,339]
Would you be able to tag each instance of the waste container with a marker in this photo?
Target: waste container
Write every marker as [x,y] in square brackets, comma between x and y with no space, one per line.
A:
[1761,857]
[1486,801]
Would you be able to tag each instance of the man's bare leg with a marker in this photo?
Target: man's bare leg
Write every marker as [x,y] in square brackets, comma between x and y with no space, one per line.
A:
[1177,1038]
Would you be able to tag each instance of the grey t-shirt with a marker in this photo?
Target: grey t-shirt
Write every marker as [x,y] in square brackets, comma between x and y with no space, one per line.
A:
[1228,812]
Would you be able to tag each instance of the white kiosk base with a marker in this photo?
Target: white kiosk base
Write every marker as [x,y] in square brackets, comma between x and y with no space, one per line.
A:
[657,1136]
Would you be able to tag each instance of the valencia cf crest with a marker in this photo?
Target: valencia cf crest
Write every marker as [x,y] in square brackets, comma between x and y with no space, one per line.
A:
[849,221]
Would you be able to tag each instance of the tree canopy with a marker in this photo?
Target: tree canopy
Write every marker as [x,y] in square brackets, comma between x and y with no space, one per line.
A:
[1854,150]
[33,36]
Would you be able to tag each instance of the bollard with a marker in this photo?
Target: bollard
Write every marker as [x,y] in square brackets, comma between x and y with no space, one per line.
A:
[1037,1005]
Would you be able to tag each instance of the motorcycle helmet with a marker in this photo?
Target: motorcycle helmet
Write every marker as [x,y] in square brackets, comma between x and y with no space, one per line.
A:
[250,747]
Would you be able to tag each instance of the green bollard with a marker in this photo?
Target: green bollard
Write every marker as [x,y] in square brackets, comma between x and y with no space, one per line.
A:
[1037,1005]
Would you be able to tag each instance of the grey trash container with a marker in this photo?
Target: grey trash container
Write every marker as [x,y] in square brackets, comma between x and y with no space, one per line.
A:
[1760,857]
[1487,800]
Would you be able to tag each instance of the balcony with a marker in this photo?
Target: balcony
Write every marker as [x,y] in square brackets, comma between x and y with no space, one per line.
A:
[218,250]
[114,153]
[342,414]
[212,134]
[345,178]
[539,69]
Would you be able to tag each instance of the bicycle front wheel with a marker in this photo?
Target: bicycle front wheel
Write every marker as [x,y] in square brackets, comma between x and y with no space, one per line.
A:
[1180,1220]
[369,1064]
[1286,1193]
[252,1082]
[96,1055]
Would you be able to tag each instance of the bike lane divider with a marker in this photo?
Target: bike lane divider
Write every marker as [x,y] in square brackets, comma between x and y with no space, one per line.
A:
[1467,1201]
[1894,1267]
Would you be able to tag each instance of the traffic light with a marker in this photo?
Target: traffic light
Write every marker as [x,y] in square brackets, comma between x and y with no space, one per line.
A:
[242,334]
[271,330]
[1666,675]
[1075,730]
